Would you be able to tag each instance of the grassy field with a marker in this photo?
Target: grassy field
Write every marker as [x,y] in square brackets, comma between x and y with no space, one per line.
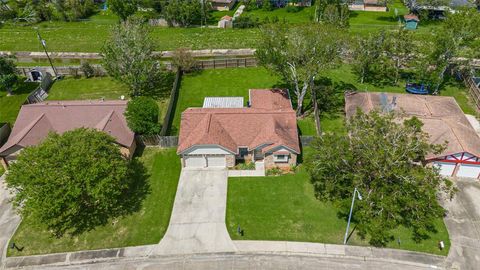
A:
[10,106]
[91,88]
[146,226]
[285,208]
[90,35]
[95,88]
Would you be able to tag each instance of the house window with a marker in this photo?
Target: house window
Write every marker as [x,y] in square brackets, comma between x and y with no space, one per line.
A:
[280,158]
[242,151]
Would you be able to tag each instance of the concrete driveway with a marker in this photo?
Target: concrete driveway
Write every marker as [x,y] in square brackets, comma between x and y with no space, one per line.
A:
[197,224]
[9,220]
[463,223]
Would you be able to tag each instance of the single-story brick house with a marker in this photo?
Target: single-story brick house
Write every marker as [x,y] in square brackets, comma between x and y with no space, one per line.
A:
[36,121]
[223,133]
[443,120]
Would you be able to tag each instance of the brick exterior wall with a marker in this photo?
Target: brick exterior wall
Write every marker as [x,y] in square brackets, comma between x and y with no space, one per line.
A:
[230,161]
[269,163]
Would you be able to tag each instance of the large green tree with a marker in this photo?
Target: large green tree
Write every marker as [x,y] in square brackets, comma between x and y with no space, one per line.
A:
[299,54]
[71,182]
[142,115]
[334,12]
[457,41]
[185,12]
[123,8]
[128,57]
[382,157]
[8,74]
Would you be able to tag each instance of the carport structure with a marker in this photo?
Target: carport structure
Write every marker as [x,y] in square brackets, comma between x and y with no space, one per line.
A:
[443,120]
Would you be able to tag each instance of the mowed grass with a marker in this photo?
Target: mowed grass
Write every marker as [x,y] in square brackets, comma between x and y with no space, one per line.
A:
[146,226]
[92,88]
[10,105]
[96,88]
[90,35]
[284,208]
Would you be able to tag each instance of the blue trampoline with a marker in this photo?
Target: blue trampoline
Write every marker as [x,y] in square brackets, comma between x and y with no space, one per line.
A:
[417,89]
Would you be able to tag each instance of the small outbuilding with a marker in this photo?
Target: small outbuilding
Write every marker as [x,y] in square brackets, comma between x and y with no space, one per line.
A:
[411,21]
[443,120]
[225,22]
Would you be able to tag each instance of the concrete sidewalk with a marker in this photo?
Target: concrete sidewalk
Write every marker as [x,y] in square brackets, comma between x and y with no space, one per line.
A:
[197,224]
[9,220]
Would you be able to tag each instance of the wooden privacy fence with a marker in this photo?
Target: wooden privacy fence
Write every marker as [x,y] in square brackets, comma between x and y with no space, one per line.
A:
[306,140]
[473,90]
[157,140]
[227,63]
[168,119]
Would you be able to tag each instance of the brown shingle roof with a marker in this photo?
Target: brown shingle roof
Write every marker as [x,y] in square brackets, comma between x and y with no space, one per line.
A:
[442,118]
[270,120]
[35,121]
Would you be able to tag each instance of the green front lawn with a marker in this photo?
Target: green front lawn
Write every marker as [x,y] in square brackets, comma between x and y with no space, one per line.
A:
[10,106]
[147,226]
[285,208]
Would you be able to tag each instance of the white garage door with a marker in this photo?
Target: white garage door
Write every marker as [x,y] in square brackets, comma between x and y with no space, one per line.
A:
[216,161]
[468,170]
[194,161]
[446,168]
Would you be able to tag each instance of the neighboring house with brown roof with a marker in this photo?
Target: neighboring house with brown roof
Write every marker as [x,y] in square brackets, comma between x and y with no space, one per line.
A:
[36,121]
[265,131]
[443,120]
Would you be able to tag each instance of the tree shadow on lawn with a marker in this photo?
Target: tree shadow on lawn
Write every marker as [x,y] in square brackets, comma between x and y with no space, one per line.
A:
[130,201]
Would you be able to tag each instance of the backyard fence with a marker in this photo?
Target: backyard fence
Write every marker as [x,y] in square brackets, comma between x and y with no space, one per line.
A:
[167,121]
[306,140]
[41,92]
[473,90]
[157,140]
[63,70]
[227,63]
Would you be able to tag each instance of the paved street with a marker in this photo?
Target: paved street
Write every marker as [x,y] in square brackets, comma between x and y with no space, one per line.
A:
[197,224]
[247,262]
[8,220]
[463,224]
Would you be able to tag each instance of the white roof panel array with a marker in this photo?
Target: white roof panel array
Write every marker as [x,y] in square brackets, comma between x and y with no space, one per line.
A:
[223,102]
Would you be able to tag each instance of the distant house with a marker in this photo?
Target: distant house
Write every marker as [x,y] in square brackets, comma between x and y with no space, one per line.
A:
[442,119]
[222,134]
[368,5]
[411,21]
[436,11]
[36,121]
[225,22]
[222,4]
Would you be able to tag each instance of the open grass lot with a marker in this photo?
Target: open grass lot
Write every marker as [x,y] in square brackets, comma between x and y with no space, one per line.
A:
[146,226]
[10,106]
[90,35]
[285,208]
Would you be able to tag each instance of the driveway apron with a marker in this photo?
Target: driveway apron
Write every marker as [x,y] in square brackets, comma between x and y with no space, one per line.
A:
[463,224]
[197,224]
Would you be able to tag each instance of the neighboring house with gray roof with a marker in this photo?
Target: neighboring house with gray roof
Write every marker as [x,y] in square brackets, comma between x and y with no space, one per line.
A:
[443,120]
[36,121]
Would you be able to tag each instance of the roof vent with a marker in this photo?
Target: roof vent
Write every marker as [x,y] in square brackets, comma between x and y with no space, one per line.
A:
[122,97]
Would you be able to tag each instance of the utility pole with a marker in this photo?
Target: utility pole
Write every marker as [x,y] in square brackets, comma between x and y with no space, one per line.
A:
[350,216]
[44,45]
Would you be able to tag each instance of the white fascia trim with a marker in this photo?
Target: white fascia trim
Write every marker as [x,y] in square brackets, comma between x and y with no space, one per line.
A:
[207,145]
